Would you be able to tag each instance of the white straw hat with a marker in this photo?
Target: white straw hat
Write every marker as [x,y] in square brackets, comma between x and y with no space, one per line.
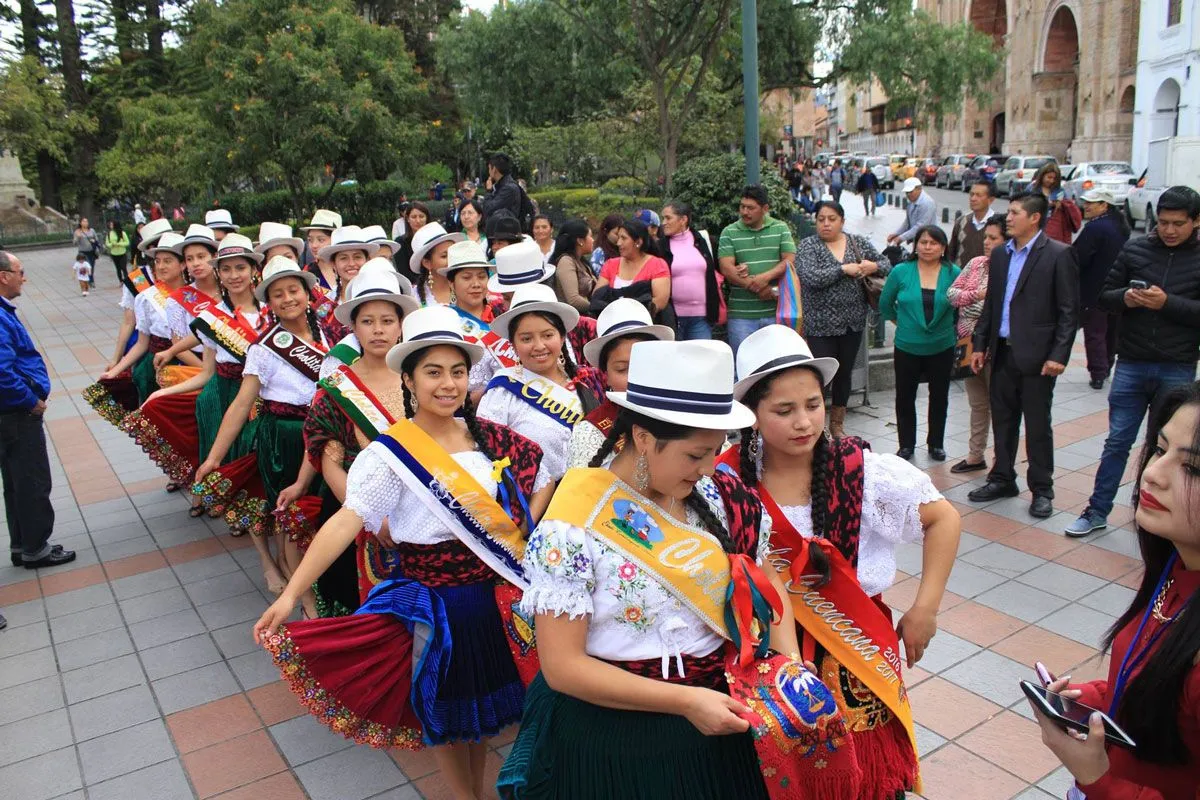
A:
[429,327]
[684,383]
[519,264]
[169,242]
[535,297]
[377,280]
[272,234]
[347,237]
[236,245]
[465,255]
[622,317]
[151,231]
[428,238]
[200,234]
[376,235]
[219,220]
[282,267]
[771,349]
[324,220]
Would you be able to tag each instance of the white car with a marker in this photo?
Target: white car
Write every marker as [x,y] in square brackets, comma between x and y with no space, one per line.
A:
[1014,177]
[1140,202]
[883,171]
[1112,176]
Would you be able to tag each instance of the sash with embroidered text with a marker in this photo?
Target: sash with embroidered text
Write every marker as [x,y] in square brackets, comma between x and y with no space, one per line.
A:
[298,354]
[557,402]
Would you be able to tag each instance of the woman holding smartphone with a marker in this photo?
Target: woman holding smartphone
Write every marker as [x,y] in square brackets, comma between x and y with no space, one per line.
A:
[1153,686]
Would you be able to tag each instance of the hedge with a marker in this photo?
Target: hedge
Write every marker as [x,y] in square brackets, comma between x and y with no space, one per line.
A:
[564,204]
[359,204]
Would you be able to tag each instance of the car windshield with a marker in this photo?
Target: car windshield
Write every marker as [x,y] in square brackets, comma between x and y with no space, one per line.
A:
[1110,168]
[876,162]
[1035,163]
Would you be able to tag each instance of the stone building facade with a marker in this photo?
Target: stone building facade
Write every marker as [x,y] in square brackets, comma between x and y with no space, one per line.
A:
[1067,88]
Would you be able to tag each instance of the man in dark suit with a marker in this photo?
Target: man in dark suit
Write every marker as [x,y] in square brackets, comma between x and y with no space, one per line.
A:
[1026,328]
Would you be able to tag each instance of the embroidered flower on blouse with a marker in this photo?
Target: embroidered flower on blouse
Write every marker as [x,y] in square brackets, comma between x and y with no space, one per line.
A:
[627,571]
[580,562]
[553,557]
[633,615]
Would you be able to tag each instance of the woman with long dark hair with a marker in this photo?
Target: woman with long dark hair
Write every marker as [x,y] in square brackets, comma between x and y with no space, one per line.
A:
[116,243]
[606,242]
[573,277]
[695,279]
[638,260]
[1153,686]
[416,216]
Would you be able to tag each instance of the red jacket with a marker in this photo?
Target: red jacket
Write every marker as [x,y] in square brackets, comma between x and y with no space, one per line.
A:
[1127,777]
[1064,222]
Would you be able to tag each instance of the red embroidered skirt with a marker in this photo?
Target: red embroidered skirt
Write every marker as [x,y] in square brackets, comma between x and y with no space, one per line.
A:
[165,428]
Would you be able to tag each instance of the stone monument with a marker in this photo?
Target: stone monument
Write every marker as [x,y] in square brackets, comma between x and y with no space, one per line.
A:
[14,191]
[20,212]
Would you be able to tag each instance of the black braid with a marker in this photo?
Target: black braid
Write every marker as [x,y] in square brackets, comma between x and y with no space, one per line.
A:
[422,277]
[748,466]
[468,415]
[313,326]
[337,286]
[408,398]
[709,520]
[819,504]
[622,425]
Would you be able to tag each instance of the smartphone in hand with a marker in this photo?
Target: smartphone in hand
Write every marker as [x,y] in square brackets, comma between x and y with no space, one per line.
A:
[1068,713]
[1139,285]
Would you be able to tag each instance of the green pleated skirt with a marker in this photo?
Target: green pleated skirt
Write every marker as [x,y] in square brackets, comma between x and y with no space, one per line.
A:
[145,378]
[212,402]
[568,749]
[280,445]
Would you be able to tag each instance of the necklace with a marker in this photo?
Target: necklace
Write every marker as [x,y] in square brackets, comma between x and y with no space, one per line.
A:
[1158,603]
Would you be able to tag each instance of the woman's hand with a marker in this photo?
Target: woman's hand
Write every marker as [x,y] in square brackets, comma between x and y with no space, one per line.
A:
[109,374]
[852,270]
[385,536]
[915,629]
[273,617]
[1084,756]
[154,395]
[289,495]
[866,268]
[714,713]
[205,469]
[161,360]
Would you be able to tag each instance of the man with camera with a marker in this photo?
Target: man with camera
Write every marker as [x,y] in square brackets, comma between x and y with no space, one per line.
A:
[1154,289]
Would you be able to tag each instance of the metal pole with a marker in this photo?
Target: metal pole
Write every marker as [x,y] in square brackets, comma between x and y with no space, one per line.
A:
[750,86]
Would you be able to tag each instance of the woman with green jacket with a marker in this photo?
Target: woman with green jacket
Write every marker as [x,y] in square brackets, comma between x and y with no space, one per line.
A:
[915,298]
[116,242]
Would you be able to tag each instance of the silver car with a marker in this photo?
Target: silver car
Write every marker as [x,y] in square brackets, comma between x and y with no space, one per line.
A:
[1014,177]
[950,171]
[883,171]
[1112,176]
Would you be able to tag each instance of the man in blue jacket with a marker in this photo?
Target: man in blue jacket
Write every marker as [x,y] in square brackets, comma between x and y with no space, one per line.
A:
[24,465]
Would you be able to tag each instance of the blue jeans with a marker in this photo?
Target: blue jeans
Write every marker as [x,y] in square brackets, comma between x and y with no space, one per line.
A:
[1137,387]
[694,328]
[736,330]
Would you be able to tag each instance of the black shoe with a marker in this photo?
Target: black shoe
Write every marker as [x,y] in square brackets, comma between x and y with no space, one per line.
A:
[1096,383]
[1041,507]
[18,561]
[993,490]
[3,622]
[906,453]
[937,453]
[54,559]
[967,466]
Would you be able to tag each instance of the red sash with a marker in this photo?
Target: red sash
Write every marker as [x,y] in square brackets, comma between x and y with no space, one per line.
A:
[603,416]
[233,332]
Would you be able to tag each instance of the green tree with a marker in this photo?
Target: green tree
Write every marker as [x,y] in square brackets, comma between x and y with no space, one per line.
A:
[713,184]
[301,89]
[165,148]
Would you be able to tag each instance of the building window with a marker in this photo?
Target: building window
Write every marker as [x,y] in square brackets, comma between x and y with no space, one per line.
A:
[1174,12]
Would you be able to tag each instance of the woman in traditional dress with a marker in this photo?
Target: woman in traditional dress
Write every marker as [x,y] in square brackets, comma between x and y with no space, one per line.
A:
[633,699]
[199,248]
[622,323]
[347,250]
[117,395]
[353,405]
[467,270]
[282,368]
[546,393]
[859,506]
[359,674]
[376,235]
[318,233]
[275,239]
[430,247]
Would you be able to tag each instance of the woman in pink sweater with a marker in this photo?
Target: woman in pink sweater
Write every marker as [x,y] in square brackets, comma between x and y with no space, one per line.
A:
[695,282]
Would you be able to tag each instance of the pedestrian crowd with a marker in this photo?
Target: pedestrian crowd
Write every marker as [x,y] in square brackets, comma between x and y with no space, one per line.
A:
[446,439]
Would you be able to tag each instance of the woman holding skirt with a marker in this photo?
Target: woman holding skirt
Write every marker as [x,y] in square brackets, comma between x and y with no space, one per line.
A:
[459,551]
[353,405]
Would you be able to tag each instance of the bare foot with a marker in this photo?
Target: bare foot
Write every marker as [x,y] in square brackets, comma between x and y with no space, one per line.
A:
[275,582]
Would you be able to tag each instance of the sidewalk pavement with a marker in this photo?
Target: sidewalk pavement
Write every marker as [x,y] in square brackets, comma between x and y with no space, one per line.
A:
[131,673]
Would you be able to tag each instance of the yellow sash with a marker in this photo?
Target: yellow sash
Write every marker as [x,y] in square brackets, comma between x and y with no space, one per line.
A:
[686,561]
[451,493]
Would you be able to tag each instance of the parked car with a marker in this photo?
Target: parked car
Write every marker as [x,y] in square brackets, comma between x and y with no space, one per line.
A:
[982,168]
[897,166]
[927,169]
[950,171]
[1017,172]
[883,171]
[1112,176]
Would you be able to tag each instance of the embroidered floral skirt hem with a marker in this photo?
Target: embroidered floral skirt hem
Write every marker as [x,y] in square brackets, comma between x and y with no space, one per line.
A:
[368,678]
[568,748]
[165,428]
[113,398]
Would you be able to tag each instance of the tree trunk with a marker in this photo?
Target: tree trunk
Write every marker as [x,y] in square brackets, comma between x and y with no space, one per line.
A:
[48,191]
[30,19]
[77,100]
[123,30]
[31,46]
[154,31]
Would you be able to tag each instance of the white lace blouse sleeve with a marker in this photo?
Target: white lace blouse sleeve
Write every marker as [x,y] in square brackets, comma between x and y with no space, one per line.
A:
[177,319]
[893,493]
[481,374]
[586,440]
[543,477]
[373,490]
[126,298]
[259,363]
[141,314]
[558,562]
[493,406]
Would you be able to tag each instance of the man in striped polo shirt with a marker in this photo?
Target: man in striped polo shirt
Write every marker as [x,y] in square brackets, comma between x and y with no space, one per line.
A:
[753,253]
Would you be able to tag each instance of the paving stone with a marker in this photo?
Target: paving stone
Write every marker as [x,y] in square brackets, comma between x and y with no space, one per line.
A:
[254,669]
[927,741]
[194,687]
[1006,561]
[1113,599]
[27,613]
[235,640]
[351,774]
[30,699]
[218,588]
[101,679]
[34,736]
[303,739]
[968,580]
[1062,581]
[1083,624]
[125,751]
[112,712]
[34,636]
[127,547]
[144,583]
[42,777]
[1021,601]
[991,675]
[945,650]
[181,656]
[154,605]
[164,781]
[243,608]
[26,667]
[93,649]
[168,628]
[90,597]
[201,568]
[85,623]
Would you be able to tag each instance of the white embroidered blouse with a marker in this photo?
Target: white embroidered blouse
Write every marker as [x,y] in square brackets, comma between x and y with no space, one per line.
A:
[893,493]
[375,492]
[631,616]
[151,318]
[504,408]
[223,356]
[178,319]
[280,381]
[585,442]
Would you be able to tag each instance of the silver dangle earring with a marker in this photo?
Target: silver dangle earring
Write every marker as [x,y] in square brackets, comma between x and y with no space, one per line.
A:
[641,473]
[412,405]
[562,362]
[755,445]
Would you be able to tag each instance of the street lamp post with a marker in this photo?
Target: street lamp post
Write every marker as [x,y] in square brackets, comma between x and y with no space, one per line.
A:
[750,86]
